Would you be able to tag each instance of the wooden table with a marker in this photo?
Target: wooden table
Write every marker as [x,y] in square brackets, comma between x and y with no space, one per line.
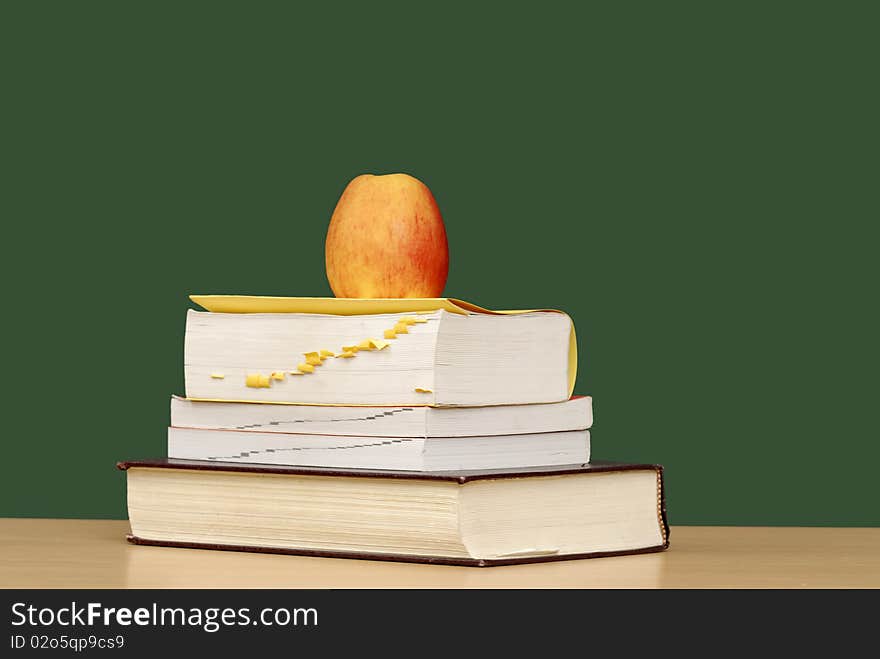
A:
[50,553]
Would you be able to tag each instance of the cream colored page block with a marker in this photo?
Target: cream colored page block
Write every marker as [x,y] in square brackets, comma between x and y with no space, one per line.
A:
[295,449]
[513,419]
[611,511]
[345,514]
[318,419]
[518,354]
[248,344]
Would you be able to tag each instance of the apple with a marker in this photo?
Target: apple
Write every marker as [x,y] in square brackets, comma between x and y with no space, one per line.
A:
[386,239]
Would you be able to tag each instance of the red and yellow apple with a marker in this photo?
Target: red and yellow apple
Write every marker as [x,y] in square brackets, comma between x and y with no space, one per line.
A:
[386,239]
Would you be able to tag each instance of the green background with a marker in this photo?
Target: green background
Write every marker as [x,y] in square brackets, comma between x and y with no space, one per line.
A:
[695,184]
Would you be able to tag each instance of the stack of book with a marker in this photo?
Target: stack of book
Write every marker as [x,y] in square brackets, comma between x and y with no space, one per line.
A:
[414,429]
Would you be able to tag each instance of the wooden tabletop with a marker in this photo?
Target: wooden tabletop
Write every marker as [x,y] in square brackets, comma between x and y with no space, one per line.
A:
[51,553]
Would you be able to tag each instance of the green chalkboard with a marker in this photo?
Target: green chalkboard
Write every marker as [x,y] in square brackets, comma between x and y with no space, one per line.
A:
[696,183]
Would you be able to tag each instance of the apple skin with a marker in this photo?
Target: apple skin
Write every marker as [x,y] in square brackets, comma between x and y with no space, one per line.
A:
[386,239]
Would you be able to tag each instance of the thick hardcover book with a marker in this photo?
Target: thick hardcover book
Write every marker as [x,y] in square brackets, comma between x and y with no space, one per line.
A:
[476,518]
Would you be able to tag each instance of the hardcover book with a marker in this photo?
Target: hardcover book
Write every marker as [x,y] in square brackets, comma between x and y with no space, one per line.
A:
[477,518]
